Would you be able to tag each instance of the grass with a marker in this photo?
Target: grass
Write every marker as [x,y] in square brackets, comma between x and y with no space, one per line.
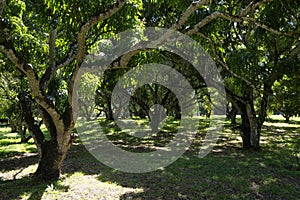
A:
[228,172]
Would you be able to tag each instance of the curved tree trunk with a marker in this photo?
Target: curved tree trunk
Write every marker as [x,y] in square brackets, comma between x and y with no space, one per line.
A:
[251,125]
[51,160]
[52,153]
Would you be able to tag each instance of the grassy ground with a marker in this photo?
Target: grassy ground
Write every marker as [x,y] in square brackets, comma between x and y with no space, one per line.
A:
[228,172]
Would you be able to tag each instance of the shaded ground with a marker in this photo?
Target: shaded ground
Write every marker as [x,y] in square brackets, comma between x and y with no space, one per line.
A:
[227,173]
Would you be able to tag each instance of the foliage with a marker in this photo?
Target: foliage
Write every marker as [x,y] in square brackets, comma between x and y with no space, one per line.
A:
[287,96]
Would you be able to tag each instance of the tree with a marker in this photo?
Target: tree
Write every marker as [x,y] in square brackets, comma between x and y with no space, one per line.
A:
[286,96]
[104,90]
[11,108]
[254,57]
[88,80]
[253,42]
[47,42]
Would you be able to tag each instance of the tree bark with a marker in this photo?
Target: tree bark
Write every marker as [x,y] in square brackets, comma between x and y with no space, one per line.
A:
[251,125]
[231,114]
[250,132]
[52,157]
[254,126]
[52,153]
[109,111]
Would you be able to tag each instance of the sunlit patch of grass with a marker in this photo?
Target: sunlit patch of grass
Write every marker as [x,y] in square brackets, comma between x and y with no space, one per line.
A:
[17,173]
[82,186]
[10,145]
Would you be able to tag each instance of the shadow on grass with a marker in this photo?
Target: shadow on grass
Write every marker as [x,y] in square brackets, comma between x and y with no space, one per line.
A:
[282,120]
[231,173]
[228,172]
[18,162]
[26,188]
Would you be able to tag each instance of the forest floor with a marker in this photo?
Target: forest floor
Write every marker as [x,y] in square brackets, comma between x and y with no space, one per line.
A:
[227,172]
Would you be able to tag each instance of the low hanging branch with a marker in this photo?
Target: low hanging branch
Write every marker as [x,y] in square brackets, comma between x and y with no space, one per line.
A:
[141,47]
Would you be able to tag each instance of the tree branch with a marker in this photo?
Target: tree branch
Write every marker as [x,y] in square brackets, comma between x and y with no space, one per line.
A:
[34,84]
[251,6]
[234,97]
[189,11]
[2,4]
[89,24]
[47,76]
[223,64]
[71,56]
[229,17]
[81,40]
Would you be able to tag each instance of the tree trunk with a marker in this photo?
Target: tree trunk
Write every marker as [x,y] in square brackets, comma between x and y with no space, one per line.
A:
[254,126]
[51,160]
[287,118]
[251,124]
[109,111]
[231,114]
[52,153]
[234,112]
[13,127]
[250,129]
[24,138]
[245,129]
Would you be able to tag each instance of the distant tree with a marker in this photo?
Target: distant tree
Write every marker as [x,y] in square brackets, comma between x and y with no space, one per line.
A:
[287,96]
[89,84]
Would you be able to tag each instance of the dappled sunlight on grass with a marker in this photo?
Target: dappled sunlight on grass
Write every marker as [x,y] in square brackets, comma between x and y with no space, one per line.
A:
[17,173]
[83,186]
[228,172]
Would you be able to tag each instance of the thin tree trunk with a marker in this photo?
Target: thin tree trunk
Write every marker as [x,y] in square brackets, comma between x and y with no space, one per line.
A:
[254,129]
[251,124]
[245,129]
[250,129]
[24,138]
[109,112]
[231,114]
